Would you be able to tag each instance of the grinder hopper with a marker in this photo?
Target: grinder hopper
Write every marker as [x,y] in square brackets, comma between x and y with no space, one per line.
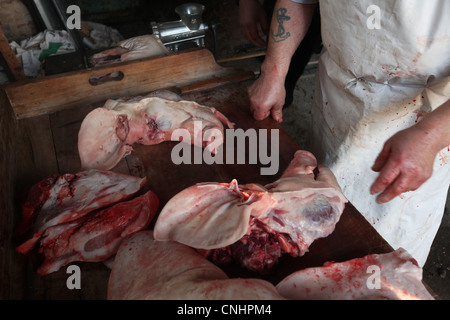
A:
[191,14]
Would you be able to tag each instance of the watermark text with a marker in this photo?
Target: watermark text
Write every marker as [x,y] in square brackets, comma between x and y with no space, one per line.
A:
[241,147]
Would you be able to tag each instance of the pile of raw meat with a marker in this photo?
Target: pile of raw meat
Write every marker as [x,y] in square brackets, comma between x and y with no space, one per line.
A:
[253,224]
[83,216]
[95,215]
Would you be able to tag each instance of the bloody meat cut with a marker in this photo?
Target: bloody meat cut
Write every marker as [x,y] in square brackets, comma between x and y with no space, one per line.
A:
[391,276]
[147,269]
[252,224]
[82,216]
[96,236]
[62,198]
[108,133]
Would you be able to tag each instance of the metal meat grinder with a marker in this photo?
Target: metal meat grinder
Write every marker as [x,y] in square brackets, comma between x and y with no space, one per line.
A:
[188,32]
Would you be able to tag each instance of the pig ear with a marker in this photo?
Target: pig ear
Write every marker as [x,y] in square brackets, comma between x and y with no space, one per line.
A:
[101,139]
[205,216]
[326,175]
[303,163]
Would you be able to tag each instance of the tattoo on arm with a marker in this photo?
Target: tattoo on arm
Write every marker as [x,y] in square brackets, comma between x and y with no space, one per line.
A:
[281,34]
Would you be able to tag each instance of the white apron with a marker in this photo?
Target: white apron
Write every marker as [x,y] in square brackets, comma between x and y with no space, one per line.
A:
[372,84]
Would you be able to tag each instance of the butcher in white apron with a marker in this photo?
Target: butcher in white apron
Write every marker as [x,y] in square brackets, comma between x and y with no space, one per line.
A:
[381,117]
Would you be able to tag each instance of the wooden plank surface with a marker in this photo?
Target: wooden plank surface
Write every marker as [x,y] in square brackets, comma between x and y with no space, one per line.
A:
[73,89]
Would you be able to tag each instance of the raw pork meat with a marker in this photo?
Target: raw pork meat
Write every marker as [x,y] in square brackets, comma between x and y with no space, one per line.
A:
[400,278]
[148,269]
[96,236]
[253,224]
[145,46]
[63,198]
[108,133]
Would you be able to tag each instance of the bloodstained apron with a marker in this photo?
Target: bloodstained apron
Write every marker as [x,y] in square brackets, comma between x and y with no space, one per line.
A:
[385,65]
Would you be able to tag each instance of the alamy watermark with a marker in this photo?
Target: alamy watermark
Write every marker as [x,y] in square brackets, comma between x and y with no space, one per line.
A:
[74,18]
[374,20]
[373,281]
[74,280]
[237,150]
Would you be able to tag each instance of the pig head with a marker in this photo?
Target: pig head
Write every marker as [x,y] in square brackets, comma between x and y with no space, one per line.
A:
[294,210]
[107,134]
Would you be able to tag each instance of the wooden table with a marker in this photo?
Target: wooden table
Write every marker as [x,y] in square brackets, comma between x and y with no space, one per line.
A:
[45,142]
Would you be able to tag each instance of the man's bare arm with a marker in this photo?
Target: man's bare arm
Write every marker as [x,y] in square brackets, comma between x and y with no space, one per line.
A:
[290,23]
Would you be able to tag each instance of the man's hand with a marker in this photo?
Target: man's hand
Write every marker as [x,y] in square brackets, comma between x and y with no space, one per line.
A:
[407,158]
[252,15]
[405,163]
[267,95]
